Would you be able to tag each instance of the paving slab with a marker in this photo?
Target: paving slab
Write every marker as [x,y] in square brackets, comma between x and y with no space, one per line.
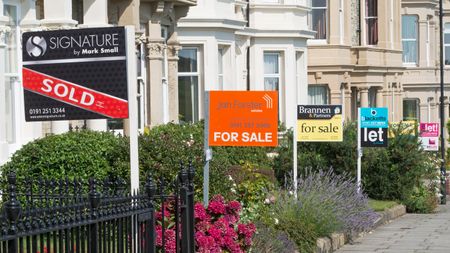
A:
[411,233]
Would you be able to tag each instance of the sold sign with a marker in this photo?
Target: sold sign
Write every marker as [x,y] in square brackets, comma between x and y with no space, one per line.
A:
[243,118]
[74,94]
[75,74]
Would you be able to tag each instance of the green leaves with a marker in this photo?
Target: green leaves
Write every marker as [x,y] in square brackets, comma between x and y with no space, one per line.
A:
[74,155]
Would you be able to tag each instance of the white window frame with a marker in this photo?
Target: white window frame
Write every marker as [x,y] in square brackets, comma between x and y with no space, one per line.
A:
[220,67]
[276,75]
[196,113]
[414,63]
[446,31]
[279,77]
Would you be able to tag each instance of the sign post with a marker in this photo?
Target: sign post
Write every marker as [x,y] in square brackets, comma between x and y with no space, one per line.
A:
[208,153]
[372,132]
[359,153]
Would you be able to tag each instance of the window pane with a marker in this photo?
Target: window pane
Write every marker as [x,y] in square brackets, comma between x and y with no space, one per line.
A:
[271,64]
[317,95]
[410,111]
[447,37]
[372,31]
[409,27]
[271,83]
[220,61]
[371,8]
[188,98]
[319,19]
[319,3]
[372,97]
[447,55]
[410,51]
[187,60]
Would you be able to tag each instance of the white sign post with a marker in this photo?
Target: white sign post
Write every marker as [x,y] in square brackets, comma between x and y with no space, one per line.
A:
[295,165]
[133,110]
[359,153]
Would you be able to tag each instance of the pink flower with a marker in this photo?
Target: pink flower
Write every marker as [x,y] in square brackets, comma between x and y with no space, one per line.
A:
[217,235]
[216,207]
[200,212]
[232,218]
[222,224]
[234,207]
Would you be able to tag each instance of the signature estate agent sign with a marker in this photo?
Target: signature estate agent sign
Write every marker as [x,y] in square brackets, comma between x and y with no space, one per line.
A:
[75,74]
[243,118]
[319,123]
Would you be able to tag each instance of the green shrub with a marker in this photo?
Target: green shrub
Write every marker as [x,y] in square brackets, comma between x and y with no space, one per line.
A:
[269,240]
[251,186]
[73,155]
[421,200]
[341,156]
[392,173]
[87,154]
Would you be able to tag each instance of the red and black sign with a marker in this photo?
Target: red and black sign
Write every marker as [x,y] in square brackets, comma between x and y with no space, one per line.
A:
[75,74]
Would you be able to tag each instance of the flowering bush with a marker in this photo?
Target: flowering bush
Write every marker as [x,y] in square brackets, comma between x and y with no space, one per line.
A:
[217,228]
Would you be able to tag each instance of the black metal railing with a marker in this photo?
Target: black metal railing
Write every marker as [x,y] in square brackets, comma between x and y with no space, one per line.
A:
[74,216]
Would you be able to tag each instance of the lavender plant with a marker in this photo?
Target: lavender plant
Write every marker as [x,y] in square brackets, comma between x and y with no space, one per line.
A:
[350,207]
[325,203]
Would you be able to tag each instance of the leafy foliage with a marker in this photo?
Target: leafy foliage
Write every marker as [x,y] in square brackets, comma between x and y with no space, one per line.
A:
[341,156]
[74,155]
[394,173]
[391,173]
[87,154]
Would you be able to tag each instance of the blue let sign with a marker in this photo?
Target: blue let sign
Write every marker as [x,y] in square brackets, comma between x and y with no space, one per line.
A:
[374,117]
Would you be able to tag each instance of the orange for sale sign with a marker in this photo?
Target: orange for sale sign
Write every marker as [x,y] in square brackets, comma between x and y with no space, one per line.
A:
[243,118]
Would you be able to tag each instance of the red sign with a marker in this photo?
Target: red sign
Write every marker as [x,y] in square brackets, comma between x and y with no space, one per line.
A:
[243,118]
[74,94]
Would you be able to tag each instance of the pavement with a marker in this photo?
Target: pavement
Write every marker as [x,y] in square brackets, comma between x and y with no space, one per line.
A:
[411,233]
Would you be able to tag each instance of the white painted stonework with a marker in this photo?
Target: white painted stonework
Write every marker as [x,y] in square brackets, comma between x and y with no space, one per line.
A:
[279,28]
